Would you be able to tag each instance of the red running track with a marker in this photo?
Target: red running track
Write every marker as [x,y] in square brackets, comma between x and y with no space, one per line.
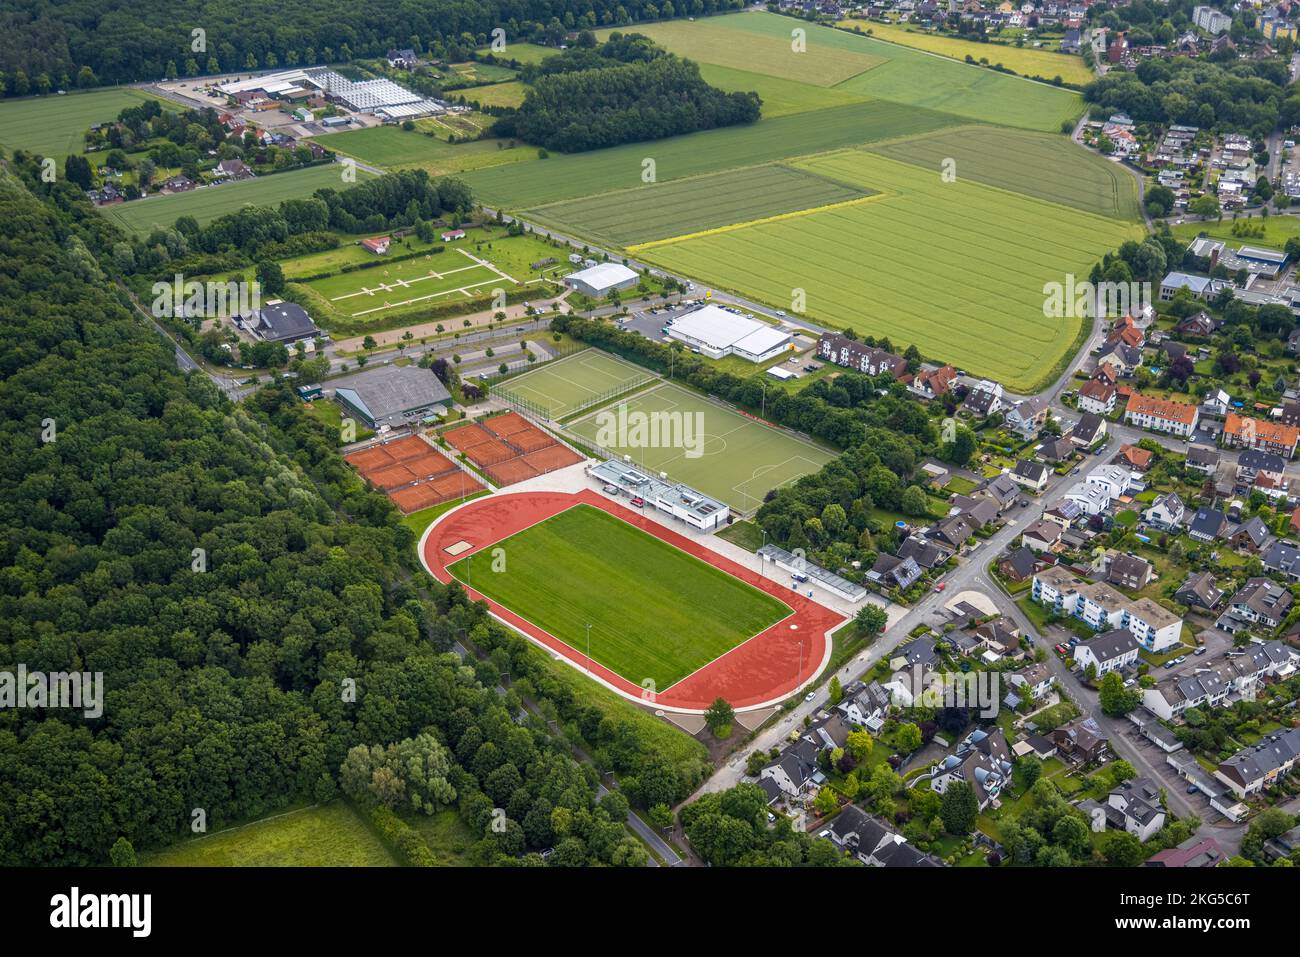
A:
[761,671]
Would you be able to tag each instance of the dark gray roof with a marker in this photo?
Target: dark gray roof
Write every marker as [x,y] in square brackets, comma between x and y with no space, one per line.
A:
[387,393]
[1034,471]
[1257,460]
[1208,522]
[284,321]
[1111,644]
[1087,427]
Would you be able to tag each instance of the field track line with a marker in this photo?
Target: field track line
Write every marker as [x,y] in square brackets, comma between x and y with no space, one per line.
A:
[795,214]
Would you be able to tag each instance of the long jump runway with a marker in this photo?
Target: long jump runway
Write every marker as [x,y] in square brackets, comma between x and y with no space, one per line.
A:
[758,672]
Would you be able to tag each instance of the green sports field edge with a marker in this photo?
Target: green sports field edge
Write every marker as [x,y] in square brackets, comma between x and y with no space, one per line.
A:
[573,383]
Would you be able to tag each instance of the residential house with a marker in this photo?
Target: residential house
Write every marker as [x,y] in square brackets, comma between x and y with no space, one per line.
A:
[1120,358]
[1193,852]
[1111,651]
[402,59]
[1200,325]
[1261,765]
[1000,638]
[1027,417]
[932,383]
[1244,432]
[233,169]
[1081,741]
[1198,590]
[983,399]
[1032,475]
[865,705]
[1057,450]
[1042,536]
[1097,397]
[1161,415]
[1252,463]
[1089,430]
[1090,498]
[1283,558]
[1002,490]
[1261,603]
[1130,571]
[927,554]
[1117,480]
[978,512]
[1202,458]
[1135,807]
[1018,565]
[1035,680]
[1250,535]
[953,531]
[920,653]
[982,760]
[1138,459]
[890,571]
[858,834]
[1208,525]
[795,770]
[1166,512]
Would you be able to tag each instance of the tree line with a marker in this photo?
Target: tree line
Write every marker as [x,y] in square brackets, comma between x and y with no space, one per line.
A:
[83,44]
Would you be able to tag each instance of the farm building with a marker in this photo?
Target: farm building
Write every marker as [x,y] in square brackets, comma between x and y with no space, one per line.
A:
[452,234]
[282,322]
[378,245]
[600,280]
[717,332]
[392,395]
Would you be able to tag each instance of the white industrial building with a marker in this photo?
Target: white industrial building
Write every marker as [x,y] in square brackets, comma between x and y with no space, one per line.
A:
[718,332]
[381,97]
[600,280]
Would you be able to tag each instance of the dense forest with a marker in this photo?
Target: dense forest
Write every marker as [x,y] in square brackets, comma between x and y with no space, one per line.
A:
[45,45]
[263,630]
[627,90]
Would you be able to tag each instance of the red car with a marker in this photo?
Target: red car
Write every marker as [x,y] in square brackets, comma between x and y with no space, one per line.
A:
[639,502]
[941,586]
[1061,650]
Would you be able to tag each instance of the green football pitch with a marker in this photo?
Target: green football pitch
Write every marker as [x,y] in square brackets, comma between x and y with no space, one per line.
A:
[736,460]
[656,613]
[458,273]
[573,383]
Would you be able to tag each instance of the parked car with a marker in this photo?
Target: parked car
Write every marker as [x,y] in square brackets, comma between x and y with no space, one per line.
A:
[1060,650]
[611,489]
[638,501]
[1200,651]
[941,586]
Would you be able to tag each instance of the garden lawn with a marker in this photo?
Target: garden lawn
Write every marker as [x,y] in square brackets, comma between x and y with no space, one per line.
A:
[655,613]
[958,269]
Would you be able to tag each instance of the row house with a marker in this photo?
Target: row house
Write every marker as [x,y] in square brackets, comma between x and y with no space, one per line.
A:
[1161,415]
[1241,431]
[1260,766]
[869,360]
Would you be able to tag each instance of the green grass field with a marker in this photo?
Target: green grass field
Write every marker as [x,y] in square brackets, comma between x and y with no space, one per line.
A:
[761,42]
[956,268]
[656,613]
[396,148]
[427,278]
[56,125]
[741,459]
[526,185]
[1277,230]
[573,383]
[699,203]
[209,202]
[510,93]
[745,43]
[1041,165]
[329,835]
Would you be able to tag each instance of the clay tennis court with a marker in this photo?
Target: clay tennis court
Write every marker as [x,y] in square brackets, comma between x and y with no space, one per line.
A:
[509,448]
[760,671]
[413,473]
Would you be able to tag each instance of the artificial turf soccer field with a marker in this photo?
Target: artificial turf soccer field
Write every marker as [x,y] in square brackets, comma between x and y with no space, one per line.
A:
[573,383]
[656,613]
[424,278]
[742,459]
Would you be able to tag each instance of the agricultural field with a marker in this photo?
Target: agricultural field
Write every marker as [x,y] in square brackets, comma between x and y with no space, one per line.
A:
[525,52]
[700,203]
[744,42]
[780,97]
[751,41]
[477,72]
[740,459]
[1040,165]
[654,612]
[956,268]
[527,185]
[329,835]
[395,148]
[1027,61]
[208,202]
[56,125]
[576,382]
